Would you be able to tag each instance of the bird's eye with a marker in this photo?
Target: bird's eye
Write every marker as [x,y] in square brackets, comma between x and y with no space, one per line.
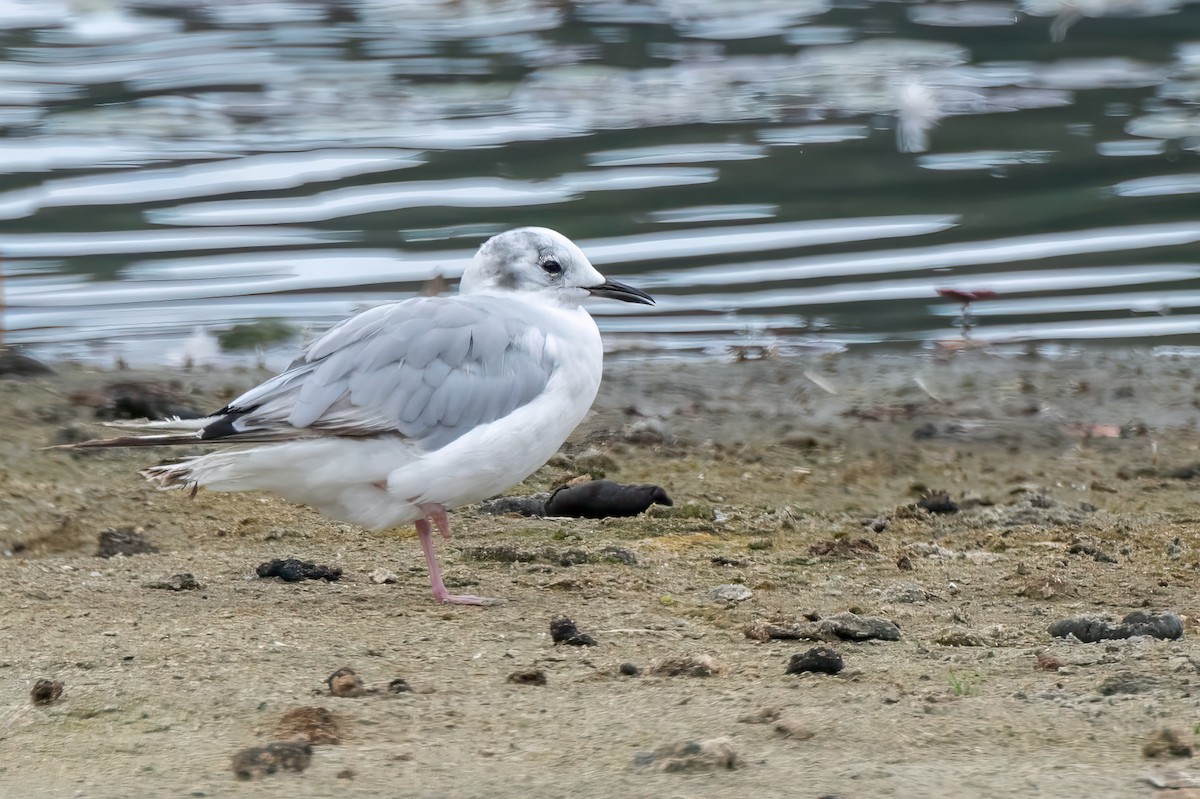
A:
[552,267]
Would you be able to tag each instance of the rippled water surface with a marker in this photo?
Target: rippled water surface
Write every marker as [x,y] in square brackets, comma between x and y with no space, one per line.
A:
[780,174]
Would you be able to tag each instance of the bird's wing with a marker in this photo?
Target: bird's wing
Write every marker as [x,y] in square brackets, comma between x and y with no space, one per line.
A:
[429,369]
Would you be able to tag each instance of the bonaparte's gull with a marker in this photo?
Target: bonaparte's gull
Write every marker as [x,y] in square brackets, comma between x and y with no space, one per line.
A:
[413,408]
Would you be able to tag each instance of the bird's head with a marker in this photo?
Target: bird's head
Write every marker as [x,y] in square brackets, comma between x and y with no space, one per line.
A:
[542,261]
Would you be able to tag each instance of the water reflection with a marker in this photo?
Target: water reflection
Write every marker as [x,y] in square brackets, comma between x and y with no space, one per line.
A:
[168,166]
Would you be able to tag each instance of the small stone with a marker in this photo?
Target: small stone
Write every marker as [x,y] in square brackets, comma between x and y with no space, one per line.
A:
[795,729]
[316,725]
[184,581]
[1167,742]
[905,563]
[46,692]
[345,774]
[821,659]
[382,576]
[628,669]
[528,677]
[691,666]
[564,631]
[258,761]
[345,683]
[716,754]
[1047,662]
[399,686]
[730,593]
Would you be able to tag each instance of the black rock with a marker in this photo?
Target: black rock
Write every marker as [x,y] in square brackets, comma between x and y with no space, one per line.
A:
[564,631]
[600,499]
[292,570]
[1090,629]
[925,432]
[820,659]
[629,670]
[399,686]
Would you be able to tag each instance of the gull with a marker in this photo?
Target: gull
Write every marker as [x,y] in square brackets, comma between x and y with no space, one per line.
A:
[413,408]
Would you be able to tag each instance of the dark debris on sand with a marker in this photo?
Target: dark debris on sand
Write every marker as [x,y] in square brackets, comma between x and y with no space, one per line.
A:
[292,570]
[46,692]
[258,761]
[564,631]
[821,659]
[528,677]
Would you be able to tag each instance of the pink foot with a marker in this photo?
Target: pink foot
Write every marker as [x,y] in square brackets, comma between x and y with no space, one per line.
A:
[425,533]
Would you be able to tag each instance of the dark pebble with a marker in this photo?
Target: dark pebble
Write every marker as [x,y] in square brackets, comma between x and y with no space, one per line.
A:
[564,631]
[124,541]
[600,499]
[292,570]
[629,670]
[258,761]
[399,686]
[1167,626]
[722,560]
[820,659]
[528,677]
[46,692]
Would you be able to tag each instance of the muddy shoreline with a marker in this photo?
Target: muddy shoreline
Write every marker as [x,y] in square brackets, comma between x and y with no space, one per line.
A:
[796,478]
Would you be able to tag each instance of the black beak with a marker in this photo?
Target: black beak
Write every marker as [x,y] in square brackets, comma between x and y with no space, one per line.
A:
[619,291]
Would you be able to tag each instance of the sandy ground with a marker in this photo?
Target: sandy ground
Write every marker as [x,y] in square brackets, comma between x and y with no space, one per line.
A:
[1063,468]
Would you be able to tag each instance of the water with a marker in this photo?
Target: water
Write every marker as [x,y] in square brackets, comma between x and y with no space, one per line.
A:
[781,174]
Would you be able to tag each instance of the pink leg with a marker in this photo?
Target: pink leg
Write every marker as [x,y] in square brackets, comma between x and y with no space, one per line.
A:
[425,532]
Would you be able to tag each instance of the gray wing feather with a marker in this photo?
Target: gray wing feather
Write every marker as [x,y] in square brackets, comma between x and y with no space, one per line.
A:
[429,369]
